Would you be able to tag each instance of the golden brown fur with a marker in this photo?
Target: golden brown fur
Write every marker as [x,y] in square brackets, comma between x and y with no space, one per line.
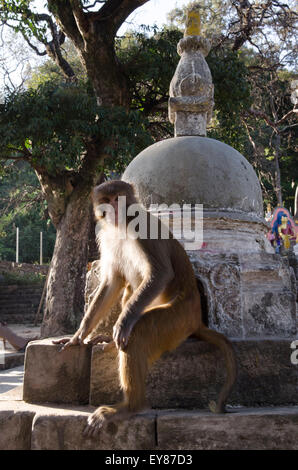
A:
[161,306]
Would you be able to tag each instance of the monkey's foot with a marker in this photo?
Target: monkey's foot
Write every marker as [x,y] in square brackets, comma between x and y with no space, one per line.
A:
[216,408]
[103,415]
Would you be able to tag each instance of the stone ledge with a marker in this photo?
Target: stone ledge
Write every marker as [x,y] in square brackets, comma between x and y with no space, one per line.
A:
[241,429]
[65,432]
[193,374]
[60,428]
[15,426]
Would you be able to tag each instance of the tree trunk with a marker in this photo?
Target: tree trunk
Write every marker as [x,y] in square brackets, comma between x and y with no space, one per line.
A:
[277,172]
[64,306]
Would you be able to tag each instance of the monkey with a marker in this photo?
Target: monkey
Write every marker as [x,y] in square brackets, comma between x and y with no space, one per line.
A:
[161,304]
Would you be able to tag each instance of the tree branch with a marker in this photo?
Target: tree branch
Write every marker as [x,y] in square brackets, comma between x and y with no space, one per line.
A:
[63,13]
[264,116]
[80,17]
[116,11]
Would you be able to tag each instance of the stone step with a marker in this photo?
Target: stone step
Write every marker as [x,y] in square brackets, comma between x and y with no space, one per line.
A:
[18,306]
[9,359]
[18,318]
[17,298]
[24,426]
[19,290]
[21,309]
[188,377]
[13,298]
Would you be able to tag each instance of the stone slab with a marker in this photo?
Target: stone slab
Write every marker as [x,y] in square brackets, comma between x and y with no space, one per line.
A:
[193,374]
[243,429]
[54,376]
[15,428]
[65,432]
[24,426]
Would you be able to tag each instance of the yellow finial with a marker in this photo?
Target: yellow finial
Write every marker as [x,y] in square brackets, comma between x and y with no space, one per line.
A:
[193,23]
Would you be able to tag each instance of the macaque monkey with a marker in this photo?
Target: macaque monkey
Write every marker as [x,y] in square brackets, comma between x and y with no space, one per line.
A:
[161,304]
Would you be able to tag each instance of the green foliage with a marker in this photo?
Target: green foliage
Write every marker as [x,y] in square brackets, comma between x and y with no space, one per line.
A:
[49,124]
[149,61]
[23,19]
[24,279]
[53,123]
[232,95]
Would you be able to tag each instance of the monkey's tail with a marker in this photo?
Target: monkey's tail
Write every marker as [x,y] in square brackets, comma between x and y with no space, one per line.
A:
[226,347]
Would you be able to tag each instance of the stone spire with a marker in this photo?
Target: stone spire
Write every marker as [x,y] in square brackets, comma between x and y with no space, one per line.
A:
[191,88]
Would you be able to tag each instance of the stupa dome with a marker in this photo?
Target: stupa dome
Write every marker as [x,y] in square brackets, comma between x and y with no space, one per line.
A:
[196,170]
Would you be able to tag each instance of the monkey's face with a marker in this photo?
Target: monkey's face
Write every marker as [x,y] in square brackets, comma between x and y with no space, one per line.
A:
[106,209]
[111,200]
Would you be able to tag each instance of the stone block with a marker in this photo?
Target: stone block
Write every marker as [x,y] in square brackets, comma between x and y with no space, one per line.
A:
[243,429]
[269,312]
[104,378]
[54,376]
[193,374]
[15,428]
[64,431]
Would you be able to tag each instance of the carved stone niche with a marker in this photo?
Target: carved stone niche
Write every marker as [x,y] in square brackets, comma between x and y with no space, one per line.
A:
[248,295]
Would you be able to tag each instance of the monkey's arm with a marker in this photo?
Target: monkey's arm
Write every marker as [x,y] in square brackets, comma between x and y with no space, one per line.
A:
[105,298]
[151,286]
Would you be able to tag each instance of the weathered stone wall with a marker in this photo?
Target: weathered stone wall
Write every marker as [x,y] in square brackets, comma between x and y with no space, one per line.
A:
[22,268]
[20,291]
[249,294]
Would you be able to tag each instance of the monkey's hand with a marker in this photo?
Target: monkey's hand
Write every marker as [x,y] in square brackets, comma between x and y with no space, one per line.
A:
[68,342]
[122,330]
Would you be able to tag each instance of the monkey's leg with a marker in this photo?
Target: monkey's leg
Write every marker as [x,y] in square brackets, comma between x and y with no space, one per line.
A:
[158,330]
[226,347]
[133,365]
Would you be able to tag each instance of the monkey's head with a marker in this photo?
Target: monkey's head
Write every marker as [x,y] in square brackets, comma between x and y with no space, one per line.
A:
[109,196]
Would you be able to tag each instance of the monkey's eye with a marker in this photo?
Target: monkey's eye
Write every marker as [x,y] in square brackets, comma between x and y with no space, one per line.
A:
[104,214]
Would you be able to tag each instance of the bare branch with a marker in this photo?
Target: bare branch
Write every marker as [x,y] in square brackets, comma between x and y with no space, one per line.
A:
[286,116]
[35,49]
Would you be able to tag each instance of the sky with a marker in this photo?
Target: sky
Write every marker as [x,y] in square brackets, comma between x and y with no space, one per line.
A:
[153,12]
